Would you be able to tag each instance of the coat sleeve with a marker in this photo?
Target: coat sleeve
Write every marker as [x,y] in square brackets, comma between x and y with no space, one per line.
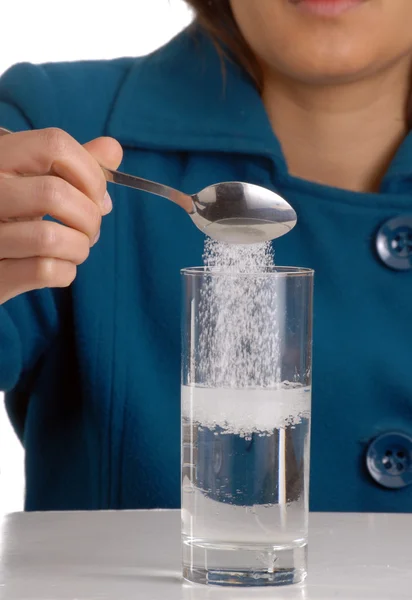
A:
[29,322]
[76,97]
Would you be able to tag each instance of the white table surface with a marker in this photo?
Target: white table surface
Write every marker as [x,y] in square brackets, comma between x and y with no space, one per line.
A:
[136,555]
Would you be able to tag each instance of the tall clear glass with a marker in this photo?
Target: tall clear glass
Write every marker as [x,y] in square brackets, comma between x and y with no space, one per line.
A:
[246,397]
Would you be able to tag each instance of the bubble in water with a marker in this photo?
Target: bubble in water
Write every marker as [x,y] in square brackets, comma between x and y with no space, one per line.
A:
[268,560]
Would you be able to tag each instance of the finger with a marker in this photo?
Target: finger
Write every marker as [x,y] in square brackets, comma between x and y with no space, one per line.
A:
[53,151]
[107,151]
[33,197]
[19,276]
[43,239]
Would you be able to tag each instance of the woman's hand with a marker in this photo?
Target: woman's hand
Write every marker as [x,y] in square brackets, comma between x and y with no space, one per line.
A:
[46,172]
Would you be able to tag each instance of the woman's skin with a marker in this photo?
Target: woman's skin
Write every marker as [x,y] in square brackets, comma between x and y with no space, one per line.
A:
[336,87]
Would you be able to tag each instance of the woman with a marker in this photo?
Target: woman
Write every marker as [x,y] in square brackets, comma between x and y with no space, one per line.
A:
[301,96]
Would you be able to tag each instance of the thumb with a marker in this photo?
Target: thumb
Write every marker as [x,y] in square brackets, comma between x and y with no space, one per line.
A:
[107,151]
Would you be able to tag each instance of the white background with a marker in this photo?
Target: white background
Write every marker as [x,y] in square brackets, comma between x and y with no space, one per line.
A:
[49,31]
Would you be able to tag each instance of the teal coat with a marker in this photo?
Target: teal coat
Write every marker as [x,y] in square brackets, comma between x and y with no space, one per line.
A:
[92,372]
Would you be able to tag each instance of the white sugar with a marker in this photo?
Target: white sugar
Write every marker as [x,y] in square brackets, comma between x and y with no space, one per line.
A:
[238,376]
[235,258]
[239,334]
[245,411]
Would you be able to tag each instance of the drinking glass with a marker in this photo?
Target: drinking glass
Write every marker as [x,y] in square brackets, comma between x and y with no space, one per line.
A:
[246,397]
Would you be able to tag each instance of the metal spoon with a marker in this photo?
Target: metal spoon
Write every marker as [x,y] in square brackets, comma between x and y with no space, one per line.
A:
[233,212]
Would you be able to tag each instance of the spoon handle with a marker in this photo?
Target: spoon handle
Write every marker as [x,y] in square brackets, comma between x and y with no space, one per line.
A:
[138,183]
[183,200]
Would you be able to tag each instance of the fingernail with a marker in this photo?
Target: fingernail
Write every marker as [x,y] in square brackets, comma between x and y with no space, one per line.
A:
[107,202]
[96,239]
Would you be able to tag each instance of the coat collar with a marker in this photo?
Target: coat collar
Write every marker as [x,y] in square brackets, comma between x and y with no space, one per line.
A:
[186,97]
[398,178]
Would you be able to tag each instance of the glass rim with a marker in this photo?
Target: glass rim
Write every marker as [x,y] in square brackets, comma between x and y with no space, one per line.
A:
[275,271]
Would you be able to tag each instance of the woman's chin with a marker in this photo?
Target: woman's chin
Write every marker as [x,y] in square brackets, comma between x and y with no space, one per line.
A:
[317,67]
[327,41]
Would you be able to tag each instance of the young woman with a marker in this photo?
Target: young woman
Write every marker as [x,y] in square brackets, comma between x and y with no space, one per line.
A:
[307,97]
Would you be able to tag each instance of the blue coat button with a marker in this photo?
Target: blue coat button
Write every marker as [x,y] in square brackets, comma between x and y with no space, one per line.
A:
[394,243]
[389,460]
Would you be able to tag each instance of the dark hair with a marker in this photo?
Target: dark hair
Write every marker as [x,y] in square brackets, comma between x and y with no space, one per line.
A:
[216,18]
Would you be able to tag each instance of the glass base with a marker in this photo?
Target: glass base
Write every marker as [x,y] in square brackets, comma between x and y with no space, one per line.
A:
[235,565]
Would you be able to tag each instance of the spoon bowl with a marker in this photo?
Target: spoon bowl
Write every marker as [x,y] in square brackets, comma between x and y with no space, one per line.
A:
[231,212]
[242,213]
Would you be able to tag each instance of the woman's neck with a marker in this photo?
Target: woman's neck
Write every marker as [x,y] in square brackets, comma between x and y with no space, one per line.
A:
[340,135]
